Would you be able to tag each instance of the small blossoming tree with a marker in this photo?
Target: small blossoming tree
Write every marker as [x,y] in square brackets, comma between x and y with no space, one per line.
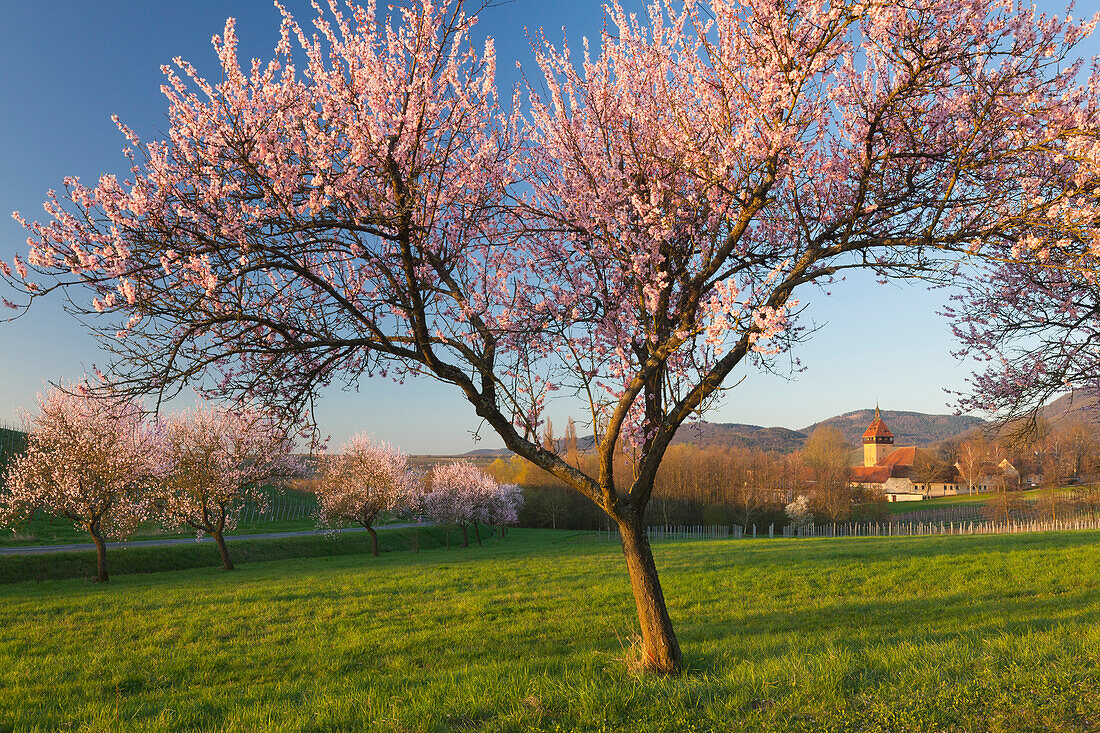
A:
[367,478]
[457,493]
[499,506]
[218,460]
[91,459]
[799,512]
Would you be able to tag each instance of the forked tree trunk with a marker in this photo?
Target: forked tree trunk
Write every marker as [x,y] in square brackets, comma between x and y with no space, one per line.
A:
[100,554]
[465,535]
[223,550]
[660,650]
[477,534]
[373,540]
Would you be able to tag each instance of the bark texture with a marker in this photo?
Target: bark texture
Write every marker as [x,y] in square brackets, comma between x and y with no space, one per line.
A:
[100,554]
[373,541]
[660,649]
[223,550]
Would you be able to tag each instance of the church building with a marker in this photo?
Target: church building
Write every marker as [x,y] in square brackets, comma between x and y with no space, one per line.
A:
[890,469]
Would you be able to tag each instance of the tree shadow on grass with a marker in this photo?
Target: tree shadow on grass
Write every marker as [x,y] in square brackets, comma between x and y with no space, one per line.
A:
[856,627]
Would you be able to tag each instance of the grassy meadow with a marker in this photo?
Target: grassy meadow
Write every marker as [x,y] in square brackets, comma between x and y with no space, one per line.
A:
[975,499]
[535,632]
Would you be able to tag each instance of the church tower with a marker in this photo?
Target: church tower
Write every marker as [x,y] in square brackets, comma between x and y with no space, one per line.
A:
[878,441]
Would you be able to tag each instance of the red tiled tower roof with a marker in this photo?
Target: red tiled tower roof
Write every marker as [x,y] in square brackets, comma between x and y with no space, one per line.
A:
[877,432]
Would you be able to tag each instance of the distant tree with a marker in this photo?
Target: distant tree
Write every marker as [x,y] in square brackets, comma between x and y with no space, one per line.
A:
[1004,504]
[1087,498]
[800,513]
[1078,443]
[929,467]
[367,478]
[826,455]
[549,442]
[217,461]
[973,454]
[515,470]
[572,452]
[90,459]
[498,505]
[871,502]
[826,450]
[550,504]
[948,451]
[456,491]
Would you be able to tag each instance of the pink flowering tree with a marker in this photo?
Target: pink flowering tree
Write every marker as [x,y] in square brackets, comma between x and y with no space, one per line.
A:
[498,505]
[633,236]
[91,459]
[217,461]
[457,493]
[494,503]
[1033,327]
[367,478]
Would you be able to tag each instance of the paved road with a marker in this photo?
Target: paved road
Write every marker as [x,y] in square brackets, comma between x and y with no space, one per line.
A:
[46,549]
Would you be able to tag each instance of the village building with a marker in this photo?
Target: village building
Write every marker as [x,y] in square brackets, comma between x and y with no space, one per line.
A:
[902,473]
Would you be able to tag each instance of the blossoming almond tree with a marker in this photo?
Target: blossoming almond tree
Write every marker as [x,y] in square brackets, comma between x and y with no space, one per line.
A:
[91,459]
[216,461]
[498,506]
[1033,327]
[454,490]
[359,205]
[367,478]
[463,494]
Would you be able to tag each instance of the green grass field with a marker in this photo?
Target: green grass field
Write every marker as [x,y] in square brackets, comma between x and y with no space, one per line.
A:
[978,633]
[901,507]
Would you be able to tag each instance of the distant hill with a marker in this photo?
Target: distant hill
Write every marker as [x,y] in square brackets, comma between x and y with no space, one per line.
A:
[1073,406]
[909,428]
[488,453]
[700,433]
[755,437]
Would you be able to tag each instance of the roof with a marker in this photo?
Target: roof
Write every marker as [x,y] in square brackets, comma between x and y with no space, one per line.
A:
[904,456]
[869,474]
[877,428]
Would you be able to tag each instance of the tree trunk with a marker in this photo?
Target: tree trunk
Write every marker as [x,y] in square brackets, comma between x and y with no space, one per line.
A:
[416,540]
[100,554]
[477,534]
[465,535]
[373,541]
[660,650]
[223,550]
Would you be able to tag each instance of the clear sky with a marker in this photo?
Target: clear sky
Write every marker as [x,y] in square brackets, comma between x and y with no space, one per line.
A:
[66,67]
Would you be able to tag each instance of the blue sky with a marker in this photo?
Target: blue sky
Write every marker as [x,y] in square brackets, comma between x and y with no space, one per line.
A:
[66,67]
